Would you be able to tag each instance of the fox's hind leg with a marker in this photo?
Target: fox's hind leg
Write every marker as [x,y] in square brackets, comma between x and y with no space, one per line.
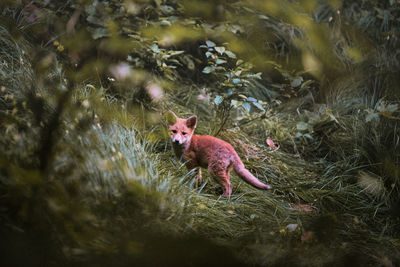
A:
[222,177]
[226,184]
[198,178]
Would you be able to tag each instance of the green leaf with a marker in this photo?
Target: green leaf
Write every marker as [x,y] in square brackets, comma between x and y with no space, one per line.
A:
[230,54]
[236,81]
[235,103]
[175,61]
[391,108]
[210,43]
[93,19]
[247,106]
[302,126]
[237,73]
[165,23]
[207,69]
[220,49]
[175,53]
[308,135]
[220,61]
[98,33]
[155,48]
[167,8]
[371,116]
[209,54]
[296,82]
[218,100]
[258,105]
[307,83]
[257,76]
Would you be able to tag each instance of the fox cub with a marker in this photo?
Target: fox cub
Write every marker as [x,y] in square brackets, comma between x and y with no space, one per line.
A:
[207,152]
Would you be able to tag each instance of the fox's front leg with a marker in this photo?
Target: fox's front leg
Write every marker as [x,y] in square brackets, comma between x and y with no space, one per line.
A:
[191,163]
[198,178]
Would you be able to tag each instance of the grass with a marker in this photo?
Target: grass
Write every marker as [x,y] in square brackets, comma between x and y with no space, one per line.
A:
[328,187]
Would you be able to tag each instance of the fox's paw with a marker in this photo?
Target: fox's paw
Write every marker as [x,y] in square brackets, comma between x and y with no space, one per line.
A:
[219,191]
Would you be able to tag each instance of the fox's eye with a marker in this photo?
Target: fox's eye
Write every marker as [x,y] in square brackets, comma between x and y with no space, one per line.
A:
[173,131]
[183,133]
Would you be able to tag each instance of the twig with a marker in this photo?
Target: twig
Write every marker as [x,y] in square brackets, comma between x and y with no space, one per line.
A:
[48,132]
[224,120]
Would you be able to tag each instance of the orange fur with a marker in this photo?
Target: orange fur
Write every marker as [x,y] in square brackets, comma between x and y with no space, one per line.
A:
[211,153]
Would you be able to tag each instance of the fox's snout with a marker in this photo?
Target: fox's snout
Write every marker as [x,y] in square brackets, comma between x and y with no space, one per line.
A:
[177,141]
[177,138]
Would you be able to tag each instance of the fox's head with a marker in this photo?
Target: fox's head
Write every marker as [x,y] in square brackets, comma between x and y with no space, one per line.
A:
[181,130]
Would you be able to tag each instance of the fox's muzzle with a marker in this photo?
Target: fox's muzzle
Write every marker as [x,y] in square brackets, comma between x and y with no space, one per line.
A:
[177,141]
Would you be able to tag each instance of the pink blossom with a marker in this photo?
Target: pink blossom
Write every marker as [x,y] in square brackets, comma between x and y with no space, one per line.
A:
[121,71]
[154,91]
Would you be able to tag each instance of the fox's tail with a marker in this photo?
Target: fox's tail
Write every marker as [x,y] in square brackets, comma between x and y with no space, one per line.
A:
[243,173]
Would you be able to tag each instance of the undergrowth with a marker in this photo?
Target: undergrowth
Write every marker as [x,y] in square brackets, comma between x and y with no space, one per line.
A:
[112,192]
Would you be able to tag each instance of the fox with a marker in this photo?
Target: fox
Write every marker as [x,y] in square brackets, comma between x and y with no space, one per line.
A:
[208,152]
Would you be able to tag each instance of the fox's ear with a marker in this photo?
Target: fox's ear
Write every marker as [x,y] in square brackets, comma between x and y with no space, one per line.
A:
[171,117]
[191,122]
